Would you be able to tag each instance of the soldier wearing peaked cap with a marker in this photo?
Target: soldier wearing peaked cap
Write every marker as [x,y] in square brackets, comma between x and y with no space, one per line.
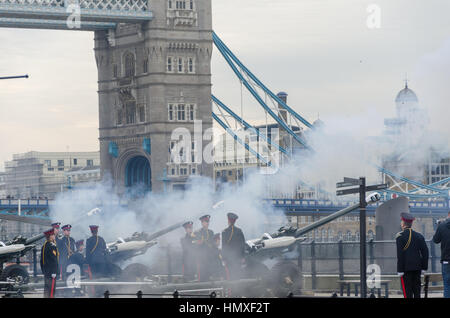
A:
[412,257]
[96,252]
[189,252]
[49,263]
[233,247]
[56,227]
[66,247]
[205,243]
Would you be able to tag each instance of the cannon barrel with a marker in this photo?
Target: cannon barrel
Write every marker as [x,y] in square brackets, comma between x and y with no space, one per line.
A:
[325,220]
[171,228]
[34,239]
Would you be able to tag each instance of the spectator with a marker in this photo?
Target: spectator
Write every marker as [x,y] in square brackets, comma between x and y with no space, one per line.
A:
[442,236]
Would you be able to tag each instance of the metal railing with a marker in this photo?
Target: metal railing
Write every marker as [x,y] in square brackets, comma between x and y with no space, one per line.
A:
[342,258]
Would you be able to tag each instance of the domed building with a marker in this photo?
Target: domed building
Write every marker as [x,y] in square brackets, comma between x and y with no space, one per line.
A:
[411,121]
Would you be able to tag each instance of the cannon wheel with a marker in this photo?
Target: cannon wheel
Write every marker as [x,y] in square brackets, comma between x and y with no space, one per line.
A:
[15,272]
[135,272]
[285,277]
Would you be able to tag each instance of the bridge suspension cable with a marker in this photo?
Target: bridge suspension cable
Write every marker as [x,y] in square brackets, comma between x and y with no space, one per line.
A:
[228,57]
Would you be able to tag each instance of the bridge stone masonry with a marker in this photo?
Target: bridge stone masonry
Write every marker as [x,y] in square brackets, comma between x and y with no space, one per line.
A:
[154,77]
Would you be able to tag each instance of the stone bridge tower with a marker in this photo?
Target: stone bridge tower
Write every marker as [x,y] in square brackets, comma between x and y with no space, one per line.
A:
[154,78]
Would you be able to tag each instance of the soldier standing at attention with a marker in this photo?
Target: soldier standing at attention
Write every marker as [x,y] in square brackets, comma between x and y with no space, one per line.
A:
[66,249]
[96,252]
[49,263]
[205,244]
[189,255]
[442,236]
[233,247]
[412,257]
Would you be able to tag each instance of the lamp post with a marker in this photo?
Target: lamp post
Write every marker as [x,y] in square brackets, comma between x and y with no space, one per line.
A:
[14,77]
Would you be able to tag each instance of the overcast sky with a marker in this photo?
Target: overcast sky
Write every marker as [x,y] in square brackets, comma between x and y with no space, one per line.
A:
[321,52]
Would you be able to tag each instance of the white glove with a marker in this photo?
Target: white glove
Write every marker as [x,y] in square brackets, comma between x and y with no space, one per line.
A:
[400,274]
[53,275]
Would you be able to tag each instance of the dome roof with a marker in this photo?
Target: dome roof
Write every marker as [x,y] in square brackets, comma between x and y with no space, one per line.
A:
[406,95]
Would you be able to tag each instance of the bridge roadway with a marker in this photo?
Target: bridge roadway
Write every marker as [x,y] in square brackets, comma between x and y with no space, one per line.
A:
[37,211]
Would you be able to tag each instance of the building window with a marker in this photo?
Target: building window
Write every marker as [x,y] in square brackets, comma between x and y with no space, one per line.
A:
[131,112]
[170,4]
[119,117]
[230,173]
[146,66]
[172,109]
[141,111]
[181,112]
[180,65]
[51,169]
[115,70]
[191,67]
[129,65]
[170,64]
[48,163]
[75,162]
[60,163]
[89,162]
[191,4]
[181,5]
[183,171]
[191,109]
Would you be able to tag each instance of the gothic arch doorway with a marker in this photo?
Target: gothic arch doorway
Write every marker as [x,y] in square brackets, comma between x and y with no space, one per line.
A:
[138,173]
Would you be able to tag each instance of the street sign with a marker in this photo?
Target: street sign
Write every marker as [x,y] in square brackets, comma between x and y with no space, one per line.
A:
[377,187]
[347,191]
[367,189]
[345,184]
[348,182]
[355,181]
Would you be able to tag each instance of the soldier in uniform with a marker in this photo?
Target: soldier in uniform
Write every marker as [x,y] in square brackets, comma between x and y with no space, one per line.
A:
[205,253]
[96,252]
[49,263]
[66,249]
[189,252]
[233,247]
[412,257]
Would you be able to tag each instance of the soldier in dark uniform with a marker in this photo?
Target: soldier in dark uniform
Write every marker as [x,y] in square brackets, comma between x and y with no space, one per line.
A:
[233,248]
[412,257]
[66,249]
[219,271]
[189,252]
[96,252]
[205,245]
[49,263]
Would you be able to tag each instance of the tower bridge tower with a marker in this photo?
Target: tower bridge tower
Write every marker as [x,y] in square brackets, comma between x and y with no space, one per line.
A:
[153,78]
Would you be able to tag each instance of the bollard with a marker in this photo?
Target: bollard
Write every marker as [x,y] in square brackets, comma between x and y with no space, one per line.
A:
[313,265]
[341,259]
[106,294]
[34,263]
[139,294]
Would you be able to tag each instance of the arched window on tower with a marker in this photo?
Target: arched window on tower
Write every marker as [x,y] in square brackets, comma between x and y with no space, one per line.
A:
[131,112]
[129,65]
